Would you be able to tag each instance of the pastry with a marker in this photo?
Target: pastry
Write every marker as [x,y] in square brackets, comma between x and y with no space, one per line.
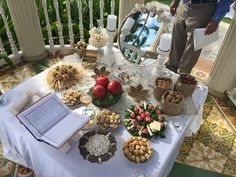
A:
[108,119]
[85,99]
[137,149]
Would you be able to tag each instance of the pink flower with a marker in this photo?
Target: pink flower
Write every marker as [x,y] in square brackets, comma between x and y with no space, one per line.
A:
[132,115]
[140,105]
[138,127]
[158,112]
[150,106]
[133,121]
[147,114]
[145,130]
[140,111]
[148,119]
[160,118]
[143,115]
[139,118]
[136,108]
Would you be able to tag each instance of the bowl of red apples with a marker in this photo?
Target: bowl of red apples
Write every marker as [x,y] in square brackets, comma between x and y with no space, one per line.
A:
[106,92]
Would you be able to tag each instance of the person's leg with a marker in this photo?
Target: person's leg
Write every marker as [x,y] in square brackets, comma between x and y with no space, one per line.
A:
[198,17]
[179,38]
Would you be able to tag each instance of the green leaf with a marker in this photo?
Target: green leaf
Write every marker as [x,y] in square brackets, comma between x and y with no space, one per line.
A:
[7,60]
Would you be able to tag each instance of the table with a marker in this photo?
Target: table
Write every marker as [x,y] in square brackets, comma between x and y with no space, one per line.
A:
[20,146]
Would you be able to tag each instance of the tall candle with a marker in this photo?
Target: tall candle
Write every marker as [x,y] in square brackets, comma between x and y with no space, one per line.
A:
[165,42]
[111,22]
[128,24]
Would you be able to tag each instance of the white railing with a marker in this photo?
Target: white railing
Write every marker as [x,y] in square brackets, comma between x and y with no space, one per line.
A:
[50,37]
[71,34]
[14,50]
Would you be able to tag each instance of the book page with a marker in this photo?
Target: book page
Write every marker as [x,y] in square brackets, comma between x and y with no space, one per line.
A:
[44,114]
[63,130]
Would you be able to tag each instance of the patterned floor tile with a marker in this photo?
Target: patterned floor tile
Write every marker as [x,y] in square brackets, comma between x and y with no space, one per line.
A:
[207,107]
[233,151]
[218,131]
[185,148]
[229,110]
[11,80]
[7,168]
[230,167]
[204,157]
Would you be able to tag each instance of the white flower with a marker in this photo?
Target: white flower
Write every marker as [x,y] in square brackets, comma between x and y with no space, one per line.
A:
[155,126]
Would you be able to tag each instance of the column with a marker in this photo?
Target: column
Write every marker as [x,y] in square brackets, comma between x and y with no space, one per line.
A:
[125,8]
[28,30]
[223,74]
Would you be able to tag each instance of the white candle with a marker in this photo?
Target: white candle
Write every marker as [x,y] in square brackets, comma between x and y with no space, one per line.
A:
[111,22]
[128,24]
[165,42]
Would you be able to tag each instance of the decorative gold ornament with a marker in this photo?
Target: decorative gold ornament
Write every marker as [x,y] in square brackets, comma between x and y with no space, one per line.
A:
[138,93]
[100,72]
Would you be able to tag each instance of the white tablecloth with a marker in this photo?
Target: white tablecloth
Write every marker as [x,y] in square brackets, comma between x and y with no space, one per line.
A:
[21,147]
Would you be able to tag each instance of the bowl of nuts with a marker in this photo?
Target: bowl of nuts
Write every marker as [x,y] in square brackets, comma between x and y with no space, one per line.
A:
[71,98]
[172,102]
[107,119]
[162,84]
[186,84]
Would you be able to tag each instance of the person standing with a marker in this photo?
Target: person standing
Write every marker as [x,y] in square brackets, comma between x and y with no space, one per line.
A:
[192,14]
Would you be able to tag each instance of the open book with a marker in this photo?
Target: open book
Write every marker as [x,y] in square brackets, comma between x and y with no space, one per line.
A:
[51,121]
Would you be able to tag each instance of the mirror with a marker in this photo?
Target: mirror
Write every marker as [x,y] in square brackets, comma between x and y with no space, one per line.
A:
[139,34]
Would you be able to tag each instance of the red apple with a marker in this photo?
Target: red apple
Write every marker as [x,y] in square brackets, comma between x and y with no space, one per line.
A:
[114,87]
[102,80]
[99,91]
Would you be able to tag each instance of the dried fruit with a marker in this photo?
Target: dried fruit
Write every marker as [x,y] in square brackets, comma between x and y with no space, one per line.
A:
[173,97]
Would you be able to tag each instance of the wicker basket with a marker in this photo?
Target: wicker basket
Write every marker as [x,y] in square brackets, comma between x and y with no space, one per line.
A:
[171,108]
[185,89]
[158,91]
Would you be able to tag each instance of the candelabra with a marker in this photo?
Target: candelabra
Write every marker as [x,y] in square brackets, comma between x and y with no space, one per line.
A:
[109,58]
[111,35]
[160,69]
[163,50]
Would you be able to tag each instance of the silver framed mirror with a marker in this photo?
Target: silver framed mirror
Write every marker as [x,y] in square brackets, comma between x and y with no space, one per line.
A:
[139,34]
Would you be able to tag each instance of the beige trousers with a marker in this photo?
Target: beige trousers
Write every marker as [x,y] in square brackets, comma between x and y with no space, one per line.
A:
[188,17]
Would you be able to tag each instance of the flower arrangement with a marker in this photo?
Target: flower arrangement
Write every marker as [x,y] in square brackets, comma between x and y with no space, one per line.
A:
[145,120]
